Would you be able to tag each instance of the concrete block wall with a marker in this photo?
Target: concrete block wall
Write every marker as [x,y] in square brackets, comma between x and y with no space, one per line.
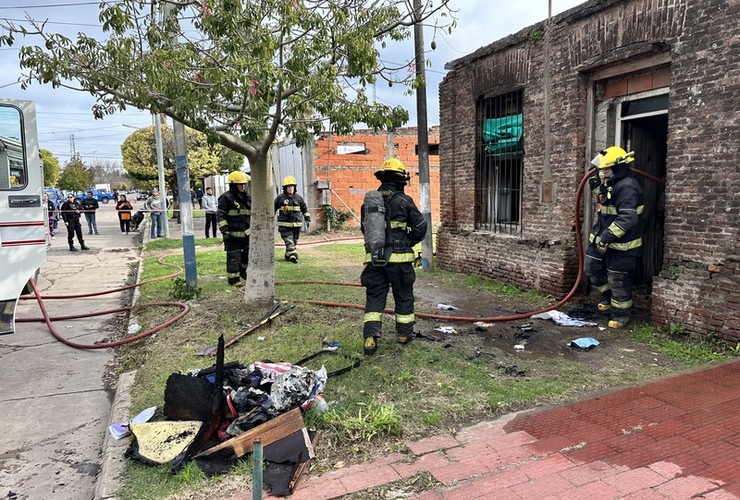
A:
[698,287]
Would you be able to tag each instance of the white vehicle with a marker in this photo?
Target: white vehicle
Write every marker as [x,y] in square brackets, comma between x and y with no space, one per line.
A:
[23,215]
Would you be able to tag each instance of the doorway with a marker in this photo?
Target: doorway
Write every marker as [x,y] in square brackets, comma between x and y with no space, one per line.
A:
[643,126]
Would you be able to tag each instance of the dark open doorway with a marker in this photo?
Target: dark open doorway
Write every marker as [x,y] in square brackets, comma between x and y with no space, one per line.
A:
[647,137]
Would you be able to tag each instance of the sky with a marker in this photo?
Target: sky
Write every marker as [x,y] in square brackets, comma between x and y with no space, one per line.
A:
[66,123]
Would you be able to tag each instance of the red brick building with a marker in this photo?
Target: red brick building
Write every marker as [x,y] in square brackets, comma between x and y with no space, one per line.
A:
[343,166]
[521,118]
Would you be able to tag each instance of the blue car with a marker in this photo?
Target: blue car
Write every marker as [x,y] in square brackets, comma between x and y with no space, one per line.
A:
[55,195]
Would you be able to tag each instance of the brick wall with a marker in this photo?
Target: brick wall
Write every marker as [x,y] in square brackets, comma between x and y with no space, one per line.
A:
[351,175]
[699,286]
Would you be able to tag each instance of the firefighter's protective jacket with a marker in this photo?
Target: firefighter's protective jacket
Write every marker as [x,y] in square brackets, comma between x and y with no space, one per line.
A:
[291,210]
[234,213]
[620,205]
[407,225]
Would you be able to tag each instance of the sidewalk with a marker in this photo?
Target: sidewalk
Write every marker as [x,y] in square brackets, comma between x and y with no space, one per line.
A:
[676,438]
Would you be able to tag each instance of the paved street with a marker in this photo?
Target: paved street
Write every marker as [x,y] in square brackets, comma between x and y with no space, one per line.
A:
[53,403]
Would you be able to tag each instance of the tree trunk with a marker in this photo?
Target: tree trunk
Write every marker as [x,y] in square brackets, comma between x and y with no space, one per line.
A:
[260,286]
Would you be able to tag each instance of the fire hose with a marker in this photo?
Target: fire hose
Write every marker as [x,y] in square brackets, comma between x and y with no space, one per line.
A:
[510,317]
[48,320]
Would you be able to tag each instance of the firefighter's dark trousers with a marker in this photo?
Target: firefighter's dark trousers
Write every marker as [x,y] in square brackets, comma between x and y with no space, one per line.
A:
[237,259]
[376,280]
[612,274]
[290,236]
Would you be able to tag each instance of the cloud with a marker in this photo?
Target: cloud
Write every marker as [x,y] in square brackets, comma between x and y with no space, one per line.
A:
[65,119]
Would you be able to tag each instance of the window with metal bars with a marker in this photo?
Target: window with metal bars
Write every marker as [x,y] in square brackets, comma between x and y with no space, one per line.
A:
[499,164]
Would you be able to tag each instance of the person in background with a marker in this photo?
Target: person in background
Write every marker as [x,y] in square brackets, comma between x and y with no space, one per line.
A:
[90,205]
[292,211]
[234,221]
[71,210]
[124,208]
[52,215]
[158,210]
[199,195]
[209,204]
[407,227]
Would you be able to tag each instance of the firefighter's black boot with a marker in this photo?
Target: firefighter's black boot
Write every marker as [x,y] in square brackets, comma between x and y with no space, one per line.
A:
[83,247]
[72,248]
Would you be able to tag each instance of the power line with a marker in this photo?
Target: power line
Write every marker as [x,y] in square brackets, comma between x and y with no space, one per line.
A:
[53,5]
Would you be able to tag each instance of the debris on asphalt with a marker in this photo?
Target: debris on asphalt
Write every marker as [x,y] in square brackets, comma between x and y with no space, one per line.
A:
[482,326]
[446,330]
[447,307]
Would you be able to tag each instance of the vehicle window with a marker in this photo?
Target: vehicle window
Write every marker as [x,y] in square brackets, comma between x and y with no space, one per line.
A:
[13,168]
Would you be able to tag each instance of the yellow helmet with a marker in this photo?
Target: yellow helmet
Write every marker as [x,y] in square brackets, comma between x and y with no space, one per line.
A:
[237,177]
[289,180]
[393,166]
[611,156]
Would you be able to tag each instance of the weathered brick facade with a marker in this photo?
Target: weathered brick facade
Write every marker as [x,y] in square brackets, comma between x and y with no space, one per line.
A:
[598,52]
[351,175]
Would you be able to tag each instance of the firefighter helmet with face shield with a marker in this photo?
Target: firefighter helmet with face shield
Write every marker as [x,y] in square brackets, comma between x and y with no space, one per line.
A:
[393,167]
[611,156]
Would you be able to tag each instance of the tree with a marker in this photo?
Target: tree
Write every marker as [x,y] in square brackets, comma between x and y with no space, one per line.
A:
[51,167]
[140,156]
[243,72]
[75,176]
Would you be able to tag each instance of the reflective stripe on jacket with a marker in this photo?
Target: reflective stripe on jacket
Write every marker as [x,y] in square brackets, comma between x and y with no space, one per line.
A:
[408,226]
[618,215]
[234,213]
[291,210]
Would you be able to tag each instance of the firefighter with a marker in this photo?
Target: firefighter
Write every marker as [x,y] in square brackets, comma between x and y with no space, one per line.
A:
[405,228]
[292,211]
[234,216]
[616,236]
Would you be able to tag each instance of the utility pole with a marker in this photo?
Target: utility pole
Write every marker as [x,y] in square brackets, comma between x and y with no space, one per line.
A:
[427,253]
[183,189]
[160,167]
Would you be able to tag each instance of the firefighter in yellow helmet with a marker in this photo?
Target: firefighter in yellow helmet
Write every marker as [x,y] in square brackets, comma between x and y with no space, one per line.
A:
[402,228]
[234,221]
[616,236]
[292,212]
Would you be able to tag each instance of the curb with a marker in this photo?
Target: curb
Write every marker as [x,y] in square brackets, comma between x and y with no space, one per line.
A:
[113,449]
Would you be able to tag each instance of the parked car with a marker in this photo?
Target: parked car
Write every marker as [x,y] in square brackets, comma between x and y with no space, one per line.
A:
[101,196]
[55,195]
[141,196]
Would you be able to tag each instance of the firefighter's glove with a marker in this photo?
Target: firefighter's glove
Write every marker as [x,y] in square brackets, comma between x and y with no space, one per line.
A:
[308,223]
[601,248]
[227,236]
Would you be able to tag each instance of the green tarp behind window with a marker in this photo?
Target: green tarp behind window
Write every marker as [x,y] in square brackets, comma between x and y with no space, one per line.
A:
[503,135]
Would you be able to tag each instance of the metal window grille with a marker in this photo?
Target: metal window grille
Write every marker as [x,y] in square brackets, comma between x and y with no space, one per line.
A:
[499,167]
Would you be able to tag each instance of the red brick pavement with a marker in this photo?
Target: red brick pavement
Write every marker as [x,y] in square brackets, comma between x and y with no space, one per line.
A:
[677,438]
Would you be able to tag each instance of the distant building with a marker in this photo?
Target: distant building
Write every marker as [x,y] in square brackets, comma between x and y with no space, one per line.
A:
[337,171]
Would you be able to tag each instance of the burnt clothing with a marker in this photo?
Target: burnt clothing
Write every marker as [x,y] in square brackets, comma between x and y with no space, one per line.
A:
[234,221]
[618,227]
[292,211]
[407,228]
